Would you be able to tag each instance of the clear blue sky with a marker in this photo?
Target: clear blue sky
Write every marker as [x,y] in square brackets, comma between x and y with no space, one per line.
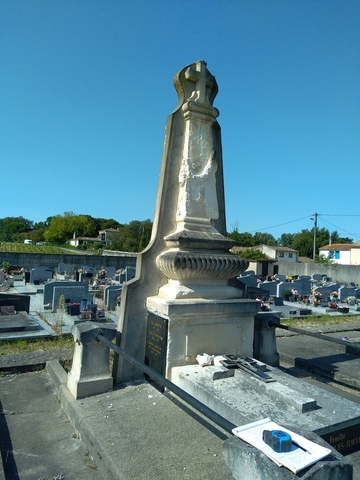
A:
[86,87]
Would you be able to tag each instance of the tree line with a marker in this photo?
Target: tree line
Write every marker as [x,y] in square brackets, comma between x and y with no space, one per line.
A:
[134,236]
[60,229]
[302,241]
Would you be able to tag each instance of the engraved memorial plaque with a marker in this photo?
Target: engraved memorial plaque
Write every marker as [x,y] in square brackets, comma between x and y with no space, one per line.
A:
[345,440]
[156,345]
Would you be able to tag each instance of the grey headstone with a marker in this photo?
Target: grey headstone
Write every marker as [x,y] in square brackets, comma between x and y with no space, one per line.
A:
[283,286]
[280,278]
[110,271]
[40,274]
[248,273]
[110,296]
[129,273]
[49,287]
[75,293]
[270,286]
[345,292]
[249,280]
[317,277]
[302,285]
[63,268]
[327,289]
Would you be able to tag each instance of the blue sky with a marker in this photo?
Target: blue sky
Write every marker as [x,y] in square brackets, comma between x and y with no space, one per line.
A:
[86,87]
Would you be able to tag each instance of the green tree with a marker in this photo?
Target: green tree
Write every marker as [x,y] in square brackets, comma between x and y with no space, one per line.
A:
[286,240]
[63,227]
[264,239]
[324,260]
[255,255]
[244,239]
[335,238]
[304,241]
[12,227]
[104,223]
[132,237]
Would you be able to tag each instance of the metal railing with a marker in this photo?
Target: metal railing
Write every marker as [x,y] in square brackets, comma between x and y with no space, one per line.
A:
[192,401]
[351,347]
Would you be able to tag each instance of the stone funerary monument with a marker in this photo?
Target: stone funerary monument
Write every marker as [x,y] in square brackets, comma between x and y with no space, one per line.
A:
[181,302]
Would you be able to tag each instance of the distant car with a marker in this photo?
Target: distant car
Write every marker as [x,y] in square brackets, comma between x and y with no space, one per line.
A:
[39,243]
[28,242]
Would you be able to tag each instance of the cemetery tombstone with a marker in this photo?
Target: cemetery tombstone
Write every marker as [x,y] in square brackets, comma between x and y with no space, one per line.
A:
[250,280]
[345,292]
[110,271]
[111,294]
[49,287]
[129,273]
[186,275]
[21,303]
[280,278]
[270,286]
[317,277]
[302,285]
[72,294]
[40,274]
[64,268]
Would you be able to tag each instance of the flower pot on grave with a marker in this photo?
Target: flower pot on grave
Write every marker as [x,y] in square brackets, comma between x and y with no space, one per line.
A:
[343,309]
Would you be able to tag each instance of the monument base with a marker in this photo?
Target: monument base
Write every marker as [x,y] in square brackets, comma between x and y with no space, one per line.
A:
[179,330]
[288,401]
[82,388]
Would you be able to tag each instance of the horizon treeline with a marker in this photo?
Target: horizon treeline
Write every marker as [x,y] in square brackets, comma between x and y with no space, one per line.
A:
[134,236]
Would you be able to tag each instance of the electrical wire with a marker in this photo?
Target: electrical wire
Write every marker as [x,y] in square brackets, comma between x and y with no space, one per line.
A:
[280,224]
[319,216]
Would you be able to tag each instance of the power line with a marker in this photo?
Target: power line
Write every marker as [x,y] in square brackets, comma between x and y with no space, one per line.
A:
[328,223]
[308,216]
[280,224]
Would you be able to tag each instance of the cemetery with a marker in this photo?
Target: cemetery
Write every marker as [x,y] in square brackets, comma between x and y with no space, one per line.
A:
[31,306]
[192,324]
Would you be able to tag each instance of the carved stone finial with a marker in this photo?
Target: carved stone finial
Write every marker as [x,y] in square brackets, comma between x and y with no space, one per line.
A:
[202,80]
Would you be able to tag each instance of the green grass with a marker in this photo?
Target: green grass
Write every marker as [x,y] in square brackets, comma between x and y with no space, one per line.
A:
[40,249]
[13,347]
[313,321]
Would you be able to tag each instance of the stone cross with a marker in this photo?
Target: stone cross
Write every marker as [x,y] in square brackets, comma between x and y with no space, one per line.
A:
[200,78]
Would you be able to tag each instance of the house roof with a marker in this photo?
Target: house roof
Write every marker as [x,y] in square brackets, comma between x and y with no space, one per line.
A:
[338,246]
[277,249]
[305,260]
[90,239]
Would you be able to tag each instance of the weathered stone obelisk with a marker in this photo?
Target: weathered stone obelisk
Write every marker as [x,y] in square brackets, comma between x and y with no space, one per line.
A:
[181,302]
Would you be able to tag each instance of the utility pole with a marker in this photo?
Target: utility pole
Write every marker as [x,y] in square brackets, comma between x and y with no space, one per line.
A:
[315,227]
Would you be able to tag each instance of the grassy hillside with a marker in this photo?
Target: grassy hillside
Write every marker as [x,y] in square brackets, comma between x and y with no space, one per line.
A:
[23,248]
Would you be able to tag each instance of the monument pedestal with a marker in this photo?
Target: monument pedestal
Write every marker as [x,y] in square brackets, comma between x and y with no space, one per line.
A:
[179,330]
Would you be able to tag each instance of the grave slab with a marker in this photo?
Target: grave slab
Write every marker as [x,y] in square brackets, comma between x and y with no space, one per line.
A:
[288,401]
[13,322]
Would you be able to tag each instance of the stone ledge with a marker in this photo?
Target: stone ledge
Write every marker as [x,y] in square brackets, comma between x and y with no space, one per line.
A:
[35,360]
